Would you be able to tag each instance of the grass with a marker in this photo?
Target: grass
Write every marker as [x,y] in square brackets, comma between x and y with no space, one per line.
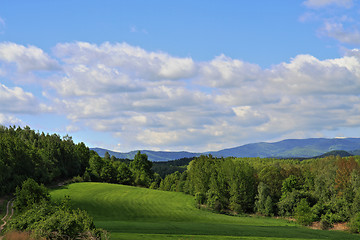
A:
[139,213]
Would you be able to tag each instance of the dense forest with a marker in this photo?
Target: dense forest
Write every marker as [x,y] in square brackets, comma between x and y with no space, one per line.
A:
[46,158]
[50,159]
[324,189]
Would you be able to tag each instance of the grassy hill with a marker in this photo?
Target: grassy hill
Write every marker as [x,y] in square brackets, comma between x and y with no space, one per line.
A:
[139,213]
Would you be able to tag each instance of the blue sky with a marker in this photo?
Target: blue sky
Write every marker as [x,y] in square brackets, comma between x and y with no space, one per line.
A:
[181,75]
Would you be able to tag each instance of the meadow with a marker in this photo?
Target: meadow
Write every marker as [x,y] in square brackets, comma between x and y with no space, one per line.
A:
[140,213]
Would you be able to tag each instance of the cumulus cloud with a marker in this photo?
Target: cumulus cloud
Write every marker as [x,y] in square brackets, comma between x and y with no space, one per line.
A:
[226,72]
[306,75]
[157,101]
[16,100]
[144,98]
[132,60]
[82,80]
[324,3]
[337,31]
[6,120]
[340,23]
[28,58]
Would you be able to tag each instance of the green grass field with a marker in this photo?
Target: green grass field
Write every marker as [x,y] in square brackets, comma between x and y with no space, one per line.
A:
[139,213]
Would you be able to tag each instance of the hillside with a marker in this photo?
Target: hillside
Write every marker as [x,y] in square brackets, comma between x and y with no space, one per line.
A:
[152,155]
[139,213]
[290,148]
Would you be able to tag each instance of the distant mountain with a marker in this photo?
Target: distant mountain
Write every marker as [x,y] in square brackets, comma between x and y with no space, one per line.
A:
[290,148]
[340,153]
[152,155]
[355,152]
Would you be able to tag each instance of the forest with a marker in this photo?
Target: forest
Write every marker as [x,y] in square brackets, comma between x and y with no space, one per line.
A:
[45,158]
[324,190]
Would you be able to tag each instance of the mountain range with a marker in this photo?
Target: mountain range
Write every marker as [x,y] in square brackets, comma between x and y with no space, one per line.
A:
[289,148]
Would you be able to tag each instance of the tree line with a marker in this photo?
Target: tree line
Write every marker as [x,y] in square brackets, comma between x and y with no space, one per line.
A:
[325,190]
[49,159]
[45,158]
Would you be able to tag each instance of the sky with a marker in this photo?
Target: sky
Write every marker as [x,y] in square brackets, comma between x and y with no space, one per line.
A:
[181,75]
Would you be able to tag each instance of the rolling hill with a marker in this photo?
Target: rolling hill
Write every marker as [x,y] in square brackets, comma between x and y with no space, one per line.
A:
[290,148]
[140,213]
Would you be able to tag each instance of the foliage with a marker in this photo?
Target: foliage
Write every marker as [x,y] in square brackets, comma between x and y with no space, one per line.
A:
[46,158]
[140,213]
[129,172]
[225,184]
[45,219]
[141,169]
[264,203]
[55,222]
[169,167]
[329,186]
[354,224]
[29,194]
[303,213]
[323,189]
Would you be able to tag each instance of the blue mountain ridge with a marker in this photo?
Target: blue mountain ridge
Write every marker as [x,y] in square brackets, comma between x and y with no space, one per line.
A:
[289,148]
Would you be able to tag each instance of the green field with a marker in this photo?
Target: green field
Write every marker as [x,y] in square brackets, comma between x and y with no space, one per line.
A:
[139,213]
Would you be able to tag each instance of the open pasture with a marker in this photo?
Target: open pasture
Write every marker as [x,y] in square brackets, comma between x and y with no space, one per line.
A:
[139,213]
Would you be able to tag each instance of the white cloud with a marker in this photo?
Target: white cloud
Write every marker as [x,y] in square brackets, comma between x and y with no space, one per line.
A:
[132,93]
[157,101]
[324,3]
[127,59]
[7,120]
[306,75]
[337,31]
[225,72]
[340,22]
[80,80]
[16,100]
[28,58]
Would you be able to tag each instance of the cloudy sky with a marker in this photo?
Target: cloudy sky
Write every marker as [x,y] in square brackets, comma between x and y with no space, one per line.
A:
[181,75]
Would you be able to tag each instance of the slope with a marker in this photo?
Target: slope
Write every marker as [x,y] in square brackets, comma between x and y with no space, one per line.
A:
[138,213]
[291,148]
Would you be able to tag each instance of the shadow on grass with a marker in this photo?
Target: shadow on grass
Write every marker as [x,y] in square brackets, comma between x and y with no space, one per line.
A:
[231,230]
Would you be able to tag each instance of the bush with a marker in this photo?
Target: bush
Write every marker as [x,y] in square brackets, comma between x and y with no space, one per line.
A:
[77,179]
[354,224]
[325,224]
[29,194]
[50,221]
[303,213]
[331,217]
[199,199]
[319,209]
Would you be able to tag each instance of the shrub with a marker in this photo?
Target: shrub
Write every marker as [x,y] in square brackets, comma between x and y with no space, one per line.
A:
[77,179]
[354,224]
[199,199]
[50,221]
[29,194]
[325,224]
[303,213]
